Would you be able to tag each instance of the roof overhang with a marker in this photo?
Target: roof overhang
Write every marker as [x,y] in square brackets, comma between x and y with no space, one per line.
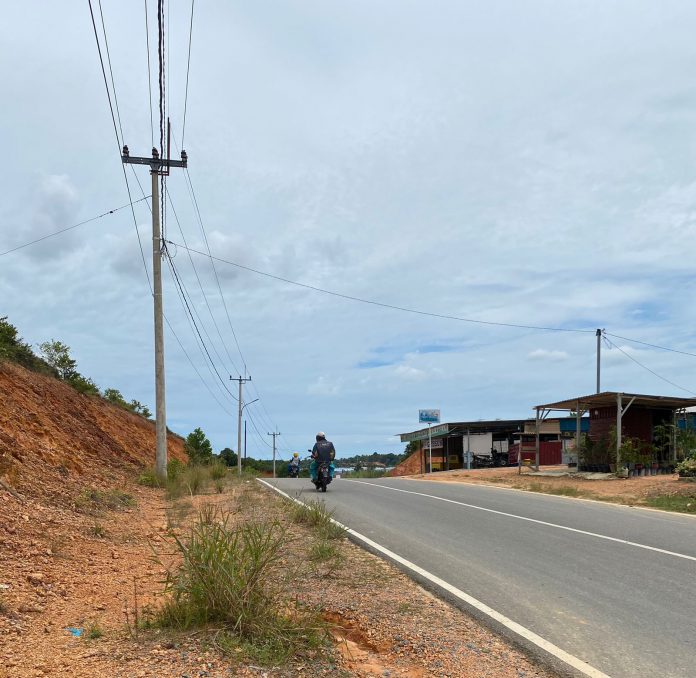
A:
[609,399]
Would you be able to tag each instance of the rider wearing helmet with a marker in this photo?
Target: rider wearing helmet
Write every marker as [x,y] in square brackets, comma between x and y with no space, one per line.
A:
[294,465]
[323,451]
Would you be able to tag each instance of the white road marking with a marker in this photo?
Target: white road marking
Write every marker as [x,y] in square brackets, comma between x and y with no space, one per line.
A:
[534,520]
[569,659]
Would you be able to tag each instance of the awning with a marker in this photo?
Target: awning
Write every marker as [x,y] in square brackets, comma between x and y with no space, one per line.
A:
[608,399]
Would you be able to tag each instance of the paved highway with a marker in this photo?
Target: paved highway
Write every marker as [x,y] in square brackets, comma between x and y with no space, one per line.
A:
[611,585]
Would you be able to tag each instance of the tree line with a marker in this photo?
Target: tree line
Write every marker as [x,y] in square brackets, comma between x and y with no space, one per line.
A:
[54,360]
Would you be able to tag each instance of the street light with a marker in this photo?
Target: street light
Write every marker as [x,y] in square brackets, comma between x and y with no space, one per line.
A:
[239,451]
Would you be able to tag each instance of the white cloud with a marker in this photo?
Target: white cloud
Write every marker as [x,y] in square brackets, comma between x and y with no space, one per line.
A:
[546,355]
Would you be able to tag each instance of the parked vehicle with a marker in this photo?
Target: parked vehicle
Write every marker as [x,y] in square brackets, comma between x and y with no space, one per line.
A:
[495,459]
[323,476]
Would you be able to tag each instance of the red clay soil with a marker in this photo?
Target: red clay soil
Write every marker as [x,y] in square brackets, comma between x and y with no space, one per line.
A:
[54,439]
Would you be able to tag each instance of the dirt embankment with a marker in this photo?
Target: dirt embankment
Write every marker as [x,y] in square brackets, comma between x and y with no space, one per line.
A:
[55,441]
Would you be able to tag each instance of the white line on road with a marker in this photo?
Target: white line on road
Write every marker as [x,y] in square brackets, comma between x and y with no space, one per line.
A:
[569,659]
[534,520]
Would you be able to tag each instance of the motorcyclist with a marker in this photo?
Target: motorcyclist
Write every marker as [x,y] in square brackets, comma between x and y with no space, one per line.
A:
[294,465]
[323,451]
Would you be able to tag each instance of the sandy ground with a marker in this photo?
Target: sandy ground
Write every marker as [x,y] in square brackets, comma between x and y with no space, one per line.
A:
[62,568]
[623,490]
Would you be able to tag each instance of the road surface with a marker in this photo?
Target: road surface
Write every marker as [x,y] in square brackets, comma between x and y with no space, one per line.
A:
[611,585]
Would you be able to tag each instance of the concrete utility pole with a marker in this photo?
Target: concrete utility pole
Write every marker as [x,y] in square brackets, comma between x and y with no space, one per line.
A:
[158,167]
[599,356]
[275,435]
[240,403]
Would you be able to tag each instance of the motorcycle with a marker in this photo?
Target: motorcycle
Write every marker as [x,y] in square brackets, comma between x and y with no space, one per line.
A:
[323,476]
[293,470]
[495,459]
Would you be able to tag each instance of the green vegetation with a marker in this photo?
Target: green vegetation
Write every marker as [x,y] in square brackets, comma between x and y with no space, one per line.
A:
[362,460]
[55,361]
[198,448]
[365,473]
[97,530]
[233,578]
[94,631]
[687,468]
[315,514]
[95,501]
[14,349]
[673,502]
[228,457]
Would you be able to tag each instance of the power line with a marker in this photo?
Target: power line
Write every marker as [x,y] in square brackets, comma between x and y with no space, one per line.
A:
[200,376]
[149,78]
[111,71]
[645,367]
[188,309]
[188,68]
[217,279]
[385,305]
[70,228]
[118,143]
[645,343]
[200,285]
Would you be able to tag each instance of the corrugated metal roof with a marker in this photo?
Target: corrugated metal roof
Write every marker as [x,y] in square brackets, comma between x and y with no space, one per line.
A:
[608,399]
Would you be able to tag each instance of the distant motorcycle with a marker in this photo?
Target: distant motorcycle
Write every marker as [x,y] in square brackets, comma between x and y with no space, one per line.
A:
[293,470]
[323,476]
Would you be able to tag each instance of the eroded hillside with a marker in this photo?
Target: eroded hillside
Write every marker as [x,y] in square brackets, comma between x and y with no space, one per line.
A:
[55,441]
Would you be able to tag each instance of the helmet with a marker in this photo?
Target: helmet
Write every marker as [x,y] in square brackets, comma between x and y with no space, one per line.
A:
[295,454]
[321,435]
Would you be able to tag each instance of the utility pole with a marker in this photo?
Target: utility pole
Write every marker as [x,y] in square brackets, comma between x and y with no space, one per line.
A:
[599,356]
[242,381]
[245,441]
[158,167]
[275,435]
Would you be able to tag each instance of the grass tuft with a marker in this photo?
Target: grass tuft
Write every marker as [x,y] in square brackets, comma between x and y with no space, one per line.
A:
[94,631]
[96,501]
[231,577]
[316,514]
[681,503]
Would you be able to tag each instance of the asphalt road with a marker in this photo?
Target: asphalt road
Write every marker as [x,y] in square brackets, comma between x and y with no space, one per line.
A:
[628,609]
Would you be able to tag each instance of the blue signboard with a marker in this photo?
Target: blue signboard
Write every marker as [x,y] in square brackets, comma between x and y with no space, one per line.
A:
[428,416]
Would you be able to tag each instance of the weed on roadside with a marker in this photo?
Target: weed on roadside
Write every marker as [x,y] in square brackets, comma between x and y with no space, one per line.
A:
[177,513]
[96,501]
[97,530]
[218,471]
[315,514]
[4,607]
[231,578]
[219,486]
[94,631]
[681,503]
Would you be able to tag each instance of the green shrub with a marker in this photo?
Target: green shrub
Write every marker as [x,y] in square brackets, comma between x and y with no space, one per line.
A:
[94,501]
[175,468]
[14,349]
[149,478]
[231,577]
[198,448]
[218,471]
[687,468]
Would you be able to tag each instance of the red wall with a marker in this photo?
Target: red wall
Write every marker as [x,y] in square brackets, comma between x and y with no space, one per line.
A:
[636,423]
[550,453]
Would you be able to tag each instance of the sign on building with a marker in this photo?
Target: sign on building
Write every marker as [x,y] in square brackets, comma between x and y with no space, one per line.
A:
[428,416]
[437,444]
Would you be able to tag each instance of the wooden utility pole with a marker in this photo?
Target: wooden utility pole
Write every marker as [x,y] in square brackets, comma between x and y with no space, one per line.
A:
[158,167]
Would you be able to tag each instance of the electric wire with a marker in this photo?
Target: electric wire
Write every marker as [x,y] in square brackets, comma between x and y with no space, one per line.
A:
[149,78]
[118,143]
[190,313]
[645,343]
[202,352]
[645,367]
[380,304]
[215,273]
[188,68]
[111,72]
[200,284]
[70,228]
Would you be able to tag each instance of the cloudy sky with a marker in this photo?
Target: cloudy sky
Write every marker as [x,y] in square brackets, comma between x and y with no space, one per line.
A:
[527,162]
